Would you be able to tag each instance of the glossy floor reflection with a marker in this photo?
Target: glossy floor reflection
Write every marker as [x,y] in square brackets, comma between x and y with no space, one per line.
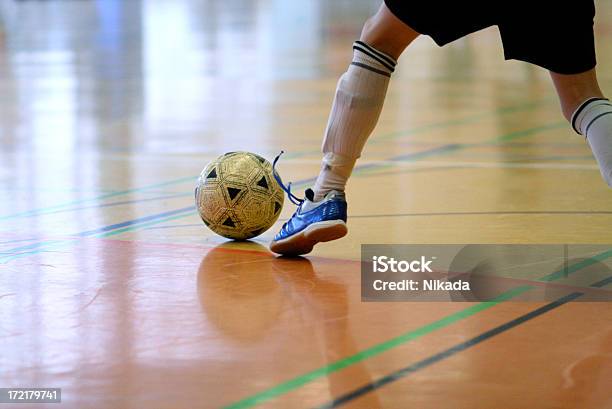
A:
[112,288]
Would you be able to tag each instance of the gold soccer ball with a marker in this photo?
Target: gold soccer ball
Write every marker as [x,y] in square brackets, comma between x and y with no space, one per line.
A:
[237,196]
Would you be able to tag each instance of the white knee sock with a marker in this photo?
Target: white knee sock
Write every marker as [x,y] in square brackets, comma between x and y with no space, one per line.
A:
[359,99]
[593,119]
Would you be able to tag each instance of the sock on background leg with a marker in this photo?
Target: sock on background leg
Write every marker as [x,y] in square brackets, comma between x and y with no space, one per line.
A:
[593,119]
[357,105]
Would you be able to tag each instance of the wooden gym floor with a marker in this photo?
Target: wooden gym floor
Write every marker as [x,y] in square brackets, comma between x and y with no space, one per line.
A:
[112,289]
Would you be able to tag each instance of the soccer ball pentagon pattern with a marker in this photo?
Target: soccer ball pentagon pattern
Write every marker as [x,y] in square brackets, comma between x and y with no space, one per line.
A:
[237,196]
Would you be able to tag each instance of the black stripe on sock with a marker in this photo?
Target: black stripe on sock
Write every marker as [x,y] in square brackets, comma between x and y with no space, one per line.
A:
[374,56]
[581,108]
[379,53]
[367,67]
[586,131]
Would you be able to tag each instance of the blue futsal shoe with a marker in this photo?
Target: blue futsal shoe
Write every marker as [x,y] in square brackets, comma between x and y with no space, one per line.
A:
[312,223]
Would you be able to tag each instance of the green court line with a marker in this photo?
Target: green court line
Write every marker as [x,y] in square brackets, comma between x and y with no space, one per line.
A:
[302,380]
[578,266]
[377,349]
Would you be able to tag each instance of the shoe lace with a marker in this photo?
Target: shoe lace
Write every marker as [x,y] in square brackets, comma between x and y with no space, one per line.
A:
[293,198]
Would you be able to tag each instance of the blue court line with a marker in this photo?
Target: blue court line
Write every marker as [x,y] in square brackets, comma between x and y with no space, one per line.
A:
[40,247]
[124,202]
[17,241]
[135,221]
[45,210]
[603,282]
[30,247]
[424,363]
[104,229]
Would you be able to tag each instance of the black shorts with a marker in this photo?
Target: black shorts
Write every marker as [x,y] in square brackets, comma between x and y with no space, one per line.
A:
[554,34]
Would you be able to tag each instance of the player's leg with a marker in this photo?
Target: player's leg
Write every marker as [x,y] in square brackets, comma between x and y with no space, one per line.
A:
[559,36]
[590,113]
[359,98]
[574,89]
[357,104]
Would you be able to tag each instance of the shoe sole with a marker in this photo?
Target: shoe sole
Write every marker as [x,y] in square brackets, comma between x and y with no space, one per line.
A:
[303,242]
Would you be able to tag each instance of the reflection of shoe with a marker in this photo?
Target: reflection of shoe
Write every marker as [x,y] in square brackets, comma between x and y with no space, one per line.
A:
[312,222]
